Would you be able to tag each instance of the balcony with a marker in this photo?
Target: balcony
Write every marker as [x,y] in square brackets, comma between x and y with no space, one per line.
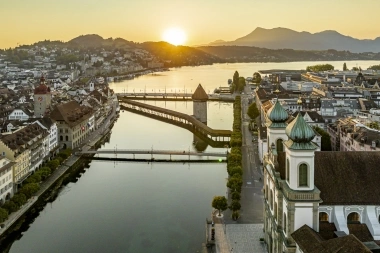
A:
[312,196]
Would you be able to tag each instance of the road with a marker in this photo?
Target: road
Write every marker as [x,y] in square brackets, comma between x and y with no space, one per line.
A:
[251,196]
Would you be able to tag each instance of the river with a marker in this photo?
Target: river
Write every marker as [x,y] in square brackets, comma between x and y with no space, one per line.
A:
[145,207]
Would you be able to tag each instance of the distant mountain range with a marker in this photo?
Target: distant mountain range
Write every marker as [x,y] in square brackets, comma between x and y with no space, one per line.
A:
[283,38]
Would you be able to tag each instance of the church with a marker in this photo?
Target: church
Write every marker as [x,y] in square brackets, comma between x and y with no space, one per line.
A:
[317,201]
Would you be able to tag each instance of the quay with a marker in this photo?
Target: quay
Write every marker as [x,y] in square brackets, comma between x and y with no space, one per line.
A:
[177,118]
[89,142]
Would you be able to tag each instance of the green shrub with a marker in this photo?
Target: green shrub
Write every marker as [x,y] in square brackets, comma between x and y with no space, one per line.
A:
[29,189]
[235,196]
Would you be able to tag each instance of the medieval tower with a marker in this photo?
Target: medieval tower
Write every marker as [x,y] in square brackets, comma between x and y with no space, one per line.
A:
[200,98]
[42,99]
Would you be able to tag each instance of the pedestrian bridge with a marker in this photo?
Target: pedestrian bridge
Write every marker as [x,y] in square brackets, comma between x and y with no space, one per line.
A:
[172,96]
[176,118]
[155,155]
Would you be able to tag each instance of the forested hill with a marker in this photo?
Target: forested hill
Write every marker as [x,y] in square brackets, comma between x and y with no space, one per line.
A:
[179,55]
[255,54]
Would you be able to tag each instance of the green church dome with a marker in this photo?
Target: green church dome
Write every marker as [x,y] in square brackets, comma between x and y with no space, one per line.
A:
[299,131]
[277,113]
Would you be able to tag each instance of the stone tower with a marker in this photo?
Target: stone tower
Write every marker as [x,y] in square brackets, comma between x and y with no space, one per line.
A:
[200,98]
[42,99]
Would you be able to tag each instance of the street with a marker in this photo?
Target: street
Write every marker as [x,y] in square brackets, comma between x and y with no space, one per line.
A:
[251,196]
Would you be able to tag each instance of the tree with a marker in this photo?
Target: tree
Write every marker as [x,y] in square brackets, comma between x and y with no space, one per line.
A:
[252,111]
[345,67]
[3,214]
[325,140]
[235,196]
[235,183]
[235,215]
[235,205]
[320,67]
[235,79]
[375,67]
[10,206]
[35,178]
[29,189]
[53,164]
[19,199]
[374,125]
[355,69]
[256,77]
[220,203]
[241,84]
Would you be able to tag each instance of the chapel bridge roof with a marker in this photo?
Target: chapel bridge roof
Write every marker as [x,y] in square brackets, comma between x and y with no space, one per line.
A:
[189,118]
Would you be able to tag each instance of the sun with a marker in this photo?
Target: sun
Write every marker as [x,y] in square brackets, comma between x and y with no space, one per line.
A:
[175,36]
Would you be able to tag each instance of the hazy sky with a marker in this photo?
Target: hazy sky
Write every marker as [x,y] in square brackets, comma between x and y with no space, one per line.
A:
[28,21]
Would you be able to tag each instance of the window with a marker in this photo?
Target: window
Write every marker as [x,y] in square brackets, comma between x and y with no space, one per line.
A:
[287,169]
[67,138]
[279,145]
[275,210]
[285,223]
[302,175]
[323,216]
[61,138]
[271,200]
[353,218]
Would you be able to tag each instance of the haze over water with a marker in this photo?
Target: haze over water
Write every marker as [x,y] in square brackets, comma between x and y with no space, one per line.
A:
[141,207]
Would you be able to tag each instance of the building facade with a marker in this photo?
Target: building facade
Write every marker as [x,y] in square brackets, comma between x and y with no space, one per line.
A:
[42,99]
[6,180]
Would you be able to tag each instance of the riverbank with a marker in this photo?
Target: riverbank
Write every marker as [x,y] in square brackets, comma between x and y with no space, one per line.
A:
[90,142]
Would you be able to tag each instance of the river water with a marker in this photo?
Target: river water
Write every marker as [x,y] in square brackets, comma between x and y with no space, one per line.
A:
[146,207]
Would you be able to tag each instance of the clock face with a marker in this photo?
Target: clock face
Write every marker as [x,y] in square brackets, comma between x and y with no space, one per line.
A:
[40,99]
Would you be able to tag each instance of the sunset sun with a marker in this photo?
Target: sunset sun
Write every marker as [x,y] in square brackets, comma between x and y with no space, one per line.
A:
[174,36]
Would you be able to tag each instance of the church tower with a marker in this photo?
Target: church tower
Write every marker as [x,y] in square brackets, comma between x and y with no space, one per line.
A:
[200,98]
[276,127]
[300,206]
[42,99]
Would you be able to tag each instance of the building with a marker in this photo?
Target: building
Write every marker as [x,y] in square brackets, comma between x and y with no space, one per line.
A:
[333,193]
[312,118]
[200,98]
[42,99]
[6,180]
[74,122]
[20,114]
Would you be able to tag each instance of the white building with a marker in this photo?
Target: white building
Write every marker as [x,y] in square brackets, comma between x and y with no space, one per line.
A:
[331,193]
[6,179]
[20,114]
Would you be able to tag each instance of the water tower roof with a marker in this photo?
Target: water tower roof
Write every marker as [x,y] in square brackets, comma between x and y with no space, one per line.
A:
[200,94]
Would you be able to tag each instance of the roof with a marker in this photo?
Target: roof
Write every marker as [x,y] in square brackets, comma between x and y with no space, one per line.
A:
[71,112]
[42,88]
[200,94]
[312,114]
[341,177]
[299,132]
[309,241]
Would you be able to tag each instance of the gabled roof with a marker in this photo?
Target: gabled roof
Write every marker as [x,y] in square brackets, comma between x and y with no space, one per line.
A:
[200,94]
[312,114]
[309,241]
[71,112]
[348,178]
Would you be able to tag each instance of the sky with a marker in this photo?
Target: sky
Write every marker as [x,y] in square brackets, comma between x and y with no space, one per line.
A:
[203,21]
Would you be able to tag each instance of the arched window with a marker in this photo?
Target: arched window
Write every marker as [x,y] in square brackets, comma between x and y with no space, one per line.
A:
[279,145]
[61,138]
[323,216]
[302,175]
[287,169]
[67,138]
[285,223]
[353,218]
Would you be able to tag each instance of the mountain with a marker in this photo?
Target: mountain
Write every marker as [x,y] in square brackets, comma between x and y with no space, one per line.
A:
[280,38]
[96,41]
